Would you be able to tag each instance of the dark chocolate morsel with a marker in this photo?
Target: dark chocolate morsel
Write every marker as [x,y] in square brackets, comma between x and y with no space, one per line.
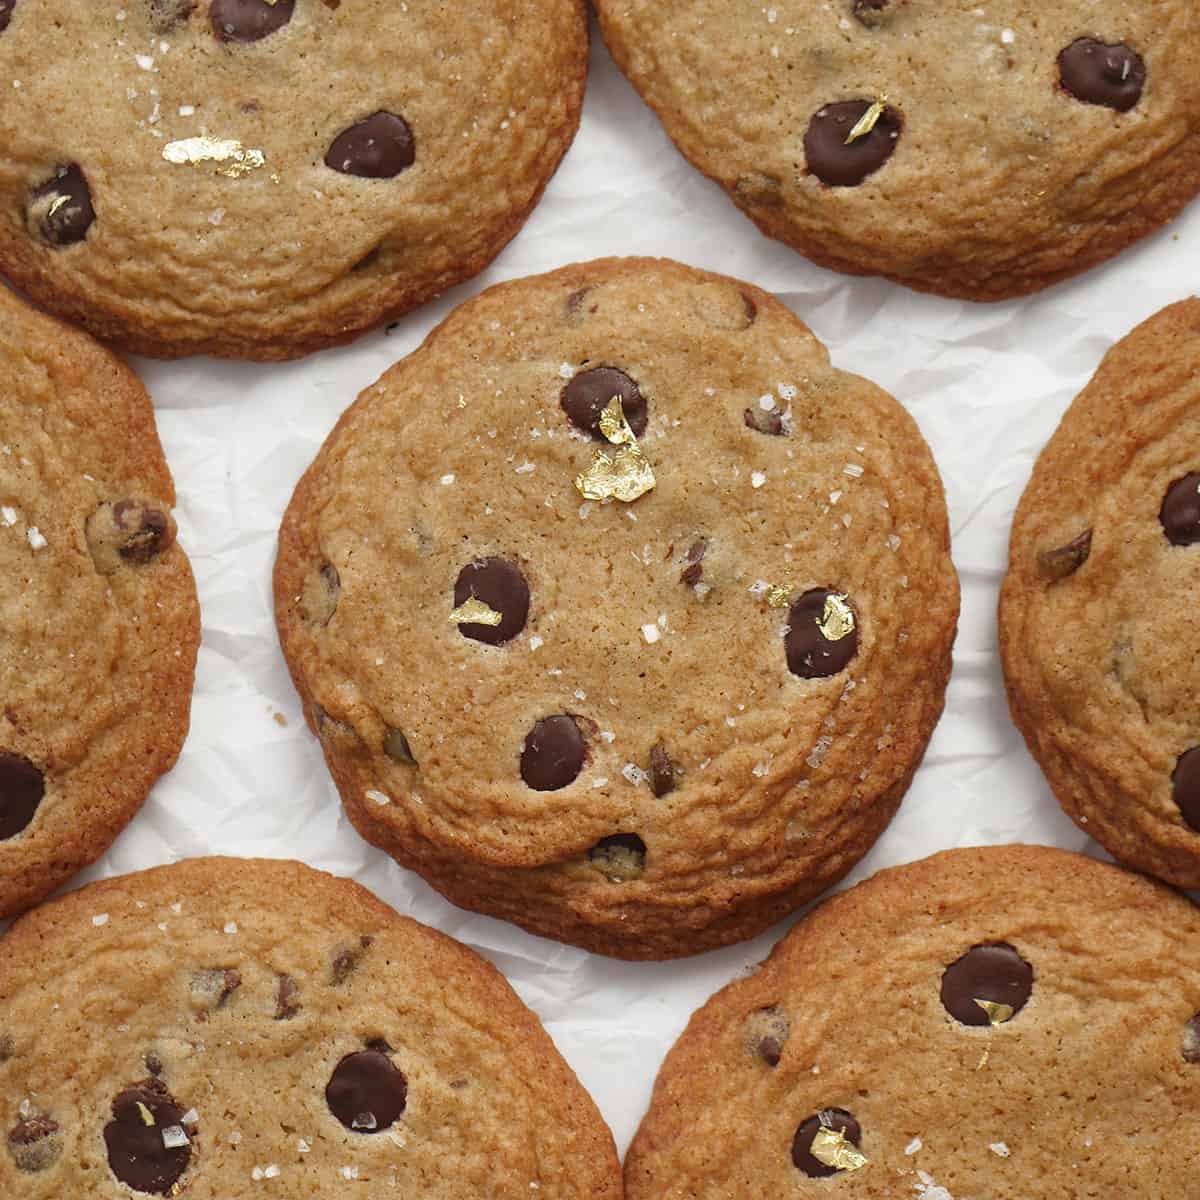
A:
[6,8]
[554,753]
[810,653]
[499,583]
[837,162]
[396,747]
[249,20]
[694,571]
[761,421]
[1180,512]
[34,1144]
[1066,560]
[366,1092]
[621,857]
[662,770]
[145,1150]
[287,998]
[147,531]
[1099,73]
[22,787]
[1191,1040]
[992,972]
[830,1118]
[154,1062]
[379,147]
[1185,783]
[60,210]
[767,1032]
[590,392]
[871,13]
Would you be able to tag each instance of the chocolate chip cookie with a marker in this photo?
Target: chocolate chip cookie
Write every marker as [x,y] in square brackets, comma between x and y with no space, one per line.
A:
[99,623]
[1016,1023]
[231,1028]
[618,611]
[261,178]
[974,152]
[1098,624]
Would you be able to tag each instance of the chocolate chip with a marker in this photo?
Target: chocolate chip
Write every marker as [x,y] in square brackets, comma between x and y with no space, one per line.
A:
[211,988]
[1185,783]
[767,1033]
[871,13]
[127,533]
[346,959]
[499,583]
[6,8]
[34,1144]
[1111,75]
[762,421]
[554,753]
[249,20]
[1180,512]
[396,747]
[22,787]
[822,635]
[993,973]
[694,571]
[590,392]
[166,15]
[831,1118]
[662,770]
[1066,560]
[7,1047]
[143,1115]
[287,998]
[154,1062]
[60,210]
[577,307]
[723,307]
[841,163]
[330,727]
[366,1092]
[379,147]
[322,593]
[1191,1040]
[621,857]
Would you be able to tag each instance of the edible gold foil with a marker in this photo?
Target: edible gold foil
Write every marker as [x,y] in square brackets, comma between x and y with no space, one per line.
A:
[837,622]
[232,158]
[146,1115]
[625,475]
[866,122]
[778,597]
[831,1147]
[997,1014]
[475,612]
[56,204]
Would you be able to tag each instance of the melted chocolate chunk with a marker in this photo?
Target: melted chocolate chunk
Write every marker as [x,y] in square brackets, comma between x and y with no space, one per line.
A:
[127,533]
[810,653]
[34,1144]
[154,1062]
[1185,784]
[6,8]
[767,1033]
[287,998]
[322,594]
[137,1153]
[871,13]
[249,20]
[60,210]
[994,973]
[1191,1040]
[831,1118]
[839,163]
[396,747]
[761,421]
[586,397]
[662,770]
[1180,512]
[554,753]
[366,1092]
[346,959]
[694,571]
[22,787]
[1064,561]
[621,857]
[212,987]
[1099,73]
[378,148]
[500,584]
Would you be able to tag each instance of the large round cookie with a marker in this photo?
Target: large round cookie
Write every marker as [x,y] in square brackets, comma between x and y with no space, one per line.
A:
[1015,1023]
[979,152]
[226,1028]
[695,707]
[99,624]
[260,178]
[1098,622]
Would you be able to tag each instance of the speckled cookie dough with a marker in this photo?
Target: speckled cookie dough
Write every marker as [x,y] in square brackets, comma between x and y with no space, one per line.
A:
[1015,1023]
[981,151]
[99,623]
[1098,622]
[261,178]
[618,611]
[224,1029]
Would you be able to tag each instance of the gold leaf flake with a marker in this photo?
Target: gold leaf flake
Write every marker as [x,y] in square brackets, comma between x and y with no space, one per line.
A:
[475,612]
[983,1062]
[625,475]
[56,204]
[867,122]
[778,597]
[147,1115]
[837,621]
[997,1014]
[831,1147]
[232,158]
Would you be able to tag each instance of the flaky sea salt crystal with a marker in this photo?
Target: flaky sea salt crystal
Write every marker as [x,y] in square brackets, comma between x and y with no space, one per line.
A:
[100,919]
[8,515]
[913,1146]
[231,927]
[377,797]
[651,633]
[35,538]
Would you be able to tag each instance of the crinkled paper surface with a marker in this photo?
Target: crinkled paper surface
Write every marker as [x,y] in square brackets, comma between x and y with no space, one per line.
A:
[987,385]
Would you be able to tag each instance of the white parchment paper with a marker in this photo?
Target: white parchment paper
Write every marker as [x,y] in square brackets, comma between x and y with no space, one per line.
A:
[987,384]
